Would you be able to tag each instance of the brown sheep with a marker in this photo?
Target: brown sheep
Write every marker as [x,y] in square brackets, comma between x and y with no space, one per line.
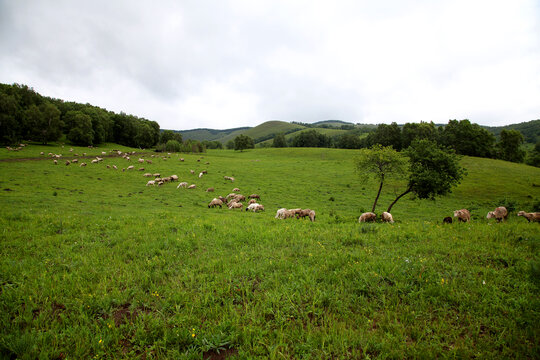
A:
[252,201]
[254,196]
[240,198]
[387,217]
[447,220]
[222,199]
[500,214]
[215,202]
[367,217]
[534,217]
[210,190]
[236,190]
[192,186]
[463,215]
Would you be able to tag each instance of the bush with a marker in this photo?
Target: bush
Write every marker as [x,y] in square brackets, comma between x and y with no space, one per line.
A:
[173,146]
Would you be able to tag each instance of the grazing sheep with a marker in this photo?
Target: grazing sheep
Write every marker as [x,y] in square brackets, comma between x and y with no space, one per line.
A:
[82,164]
[447,220]
[147,175]
[149,161]
[210,190]
[463,215]
[131,167]
[367,217]
[534,217]
[115,167]
[231,202]
[140,169]
[94,161]
[284,214]
[254,196]
[151,182]
[252,201]
[167,179]
[192,186]
[204,172]
[387,217]
[295,211]
[222,199]
[230,196]
[215,202]
[200,175]
[229,178]
[192,172]
[181,159]
[108,166]
[68,162]
[236,190]
[306,212]
[303,213]
[255,207]
[174,177]
[500,213]
[55,162]
[103,153]
[156,175]
[42,153]
[236,205]
[240,198]
[75,161]
[141,160]
[182,184]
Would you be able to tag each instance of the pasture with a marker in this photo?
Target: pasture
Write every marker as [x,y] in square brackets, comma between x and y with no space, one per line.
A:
[94,264]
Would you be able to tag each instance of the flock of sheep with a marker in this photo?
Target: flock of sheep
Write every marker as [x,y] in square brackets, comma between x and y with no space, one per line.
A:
[235,200]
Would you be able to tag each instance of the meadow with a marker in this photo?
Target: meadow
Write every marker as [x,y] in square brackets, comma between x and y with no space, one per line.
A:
[94,264]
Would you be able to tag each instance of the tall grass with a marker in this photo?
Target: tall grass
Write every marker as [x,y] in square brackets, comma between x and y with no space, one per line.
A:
[93,264]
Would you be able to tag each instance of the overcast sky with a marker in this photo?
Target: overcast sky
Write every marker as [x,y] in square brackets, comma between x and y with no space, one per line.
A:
[223,64]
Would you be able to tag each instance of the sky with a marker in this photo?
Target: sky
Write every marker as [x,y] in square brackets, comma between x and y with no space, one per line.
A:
[223,64]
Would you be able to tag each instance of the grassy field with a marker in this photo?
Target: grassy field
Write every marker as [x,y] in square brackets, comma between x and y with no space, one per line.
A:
[94,264]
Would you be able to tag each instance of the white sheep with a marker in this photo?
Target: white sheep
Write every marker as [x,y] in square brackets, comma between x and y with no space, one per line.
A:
[387,217]
[182,184]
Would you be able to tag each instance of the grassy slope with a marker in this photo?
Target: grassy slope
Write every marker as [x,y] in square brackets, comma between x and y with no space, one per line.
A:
[209,134]
[266,128]
[95,264]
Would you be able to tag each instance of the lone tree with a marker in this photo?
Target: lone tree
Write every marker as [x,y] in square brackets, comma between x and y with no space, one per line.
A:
[380,162]
[242,142]
[433,171]
[510,146]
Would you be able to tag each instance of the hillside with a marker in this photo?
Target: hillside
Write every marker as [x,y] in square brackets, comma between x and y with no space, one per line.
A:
[529,129]
[208,134]
[265,131]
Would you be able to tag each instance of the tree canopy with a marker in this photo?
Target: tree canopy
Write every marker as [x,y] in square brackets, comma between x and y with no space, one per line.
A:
[433,170]
[380,162]
[242,142]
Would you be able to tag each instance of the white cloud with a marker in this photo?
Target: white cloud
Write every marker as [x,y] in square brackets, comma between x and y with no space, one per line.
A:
[239,63]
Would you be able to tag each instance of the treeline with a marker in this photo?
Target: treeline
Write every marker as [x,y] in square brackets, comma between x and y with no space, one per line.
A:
[464,137]
[26,115]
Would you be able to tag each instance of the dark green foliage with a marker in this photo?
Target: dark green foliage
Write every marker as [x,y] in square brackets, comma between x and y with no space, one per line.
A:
[467,138]
[386,135]
[279,141]
[433,171]
[212,144]
[230,144]
[349,141]
[417,131]
[509,146]
[80,125]
[24,114]
[242,142]
[167,135]
[311,138]
[533,157]
[173,146]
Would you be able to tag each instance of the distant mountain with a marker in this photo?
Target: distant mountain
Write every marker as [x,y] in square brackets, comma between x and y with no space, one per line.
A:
[209,134]
[529,129]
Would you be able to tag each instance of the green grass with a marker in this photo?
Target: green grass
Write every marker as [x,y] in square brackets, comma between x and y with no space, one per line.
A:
[94,264]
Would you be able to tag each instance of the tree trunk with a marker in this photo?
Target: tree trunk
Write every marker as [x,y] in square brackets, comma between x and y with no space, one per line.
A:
[378,194]
[399,197]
